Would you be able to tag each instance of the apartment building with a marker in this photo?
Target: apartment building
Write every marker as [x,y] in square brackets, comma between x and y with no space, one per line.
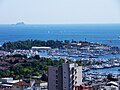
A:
[64,77]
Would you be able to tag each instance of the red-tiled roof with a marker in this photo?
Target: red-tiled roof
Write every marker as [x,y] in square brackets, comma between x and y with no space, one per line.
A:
[3,62]
[21,83]
[37,81]
[6,89]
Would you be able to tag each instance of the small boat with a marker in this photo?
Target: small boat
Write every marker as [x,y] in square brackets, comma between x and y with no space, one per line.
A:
[97,67]
[85,69]
[116,64]
[118,37]
[107,66]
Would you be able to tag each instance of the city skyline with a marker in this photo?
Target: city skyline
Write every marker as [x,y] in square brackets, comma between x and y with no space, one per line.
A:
[59,12]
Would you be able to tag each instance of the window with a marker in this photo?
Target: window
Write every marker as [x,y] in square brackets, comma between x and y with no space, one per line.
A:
[75,82]
[72,69]
[64,88]
[75,71]
[72,77]
[56,81]
[64,77]
[26,86]
[56,76]
[72,87]
[56,86]
[56,71]
[17,86]
[75,77]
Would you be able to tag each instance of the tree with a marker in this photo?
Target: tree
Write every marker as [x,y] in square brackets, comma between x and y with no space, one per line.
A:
[44,77]
[36,57]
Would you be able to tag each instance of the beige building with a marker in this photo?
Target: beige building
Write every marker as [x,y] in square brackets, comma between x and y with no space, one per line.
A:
[64,77]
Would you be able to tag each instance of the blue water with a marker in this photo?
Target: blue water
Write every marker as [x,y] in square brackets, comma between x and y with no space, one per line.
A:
[113,70]
[93,33]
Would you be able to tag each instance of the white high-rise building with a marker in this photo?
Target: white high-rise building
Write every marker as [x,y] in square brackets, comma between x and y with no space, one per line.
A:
[64,77]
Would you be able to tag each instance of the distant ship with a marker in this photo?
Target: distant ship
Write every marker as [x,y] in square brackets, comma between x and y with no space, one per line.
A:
[20,23]
[118,37]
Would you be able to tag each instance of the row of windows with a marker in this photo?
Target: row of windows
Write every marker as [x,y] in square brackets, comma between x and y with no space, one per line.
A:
[73,70]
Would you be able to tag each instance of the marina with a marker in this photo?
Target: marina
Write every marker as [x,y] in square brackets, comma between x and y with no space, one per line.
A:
[59,44]
[101,57]
[101,54]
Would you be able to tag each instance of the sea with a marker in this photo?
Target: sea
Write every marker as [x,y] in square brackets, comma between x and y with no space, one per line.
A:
[100,33]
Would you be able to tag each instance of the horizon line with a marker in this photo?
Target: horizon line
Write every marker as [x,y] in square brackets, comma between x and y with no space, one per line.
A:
[61,24]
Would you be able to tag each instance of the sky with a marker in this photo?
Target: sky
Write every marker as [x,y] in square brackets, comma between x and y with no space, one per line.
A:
[59,11]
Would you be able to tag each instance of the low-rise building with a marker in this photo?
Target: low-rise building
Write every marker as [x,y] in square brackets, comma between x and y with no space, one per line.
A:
[27,85]
[41,48]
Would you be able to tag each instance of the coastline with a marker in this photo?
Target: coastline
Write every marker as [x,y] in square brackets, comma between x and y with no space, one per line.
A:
[106,34]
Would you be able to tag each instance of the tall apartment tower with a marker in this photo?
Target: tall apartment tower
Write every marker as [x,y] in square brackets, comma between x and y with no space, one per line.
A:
[64,77]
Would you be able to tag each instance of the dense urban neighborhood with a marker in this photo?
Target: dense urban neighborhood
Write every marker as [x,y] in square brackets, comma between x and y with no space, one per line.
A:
[57,65]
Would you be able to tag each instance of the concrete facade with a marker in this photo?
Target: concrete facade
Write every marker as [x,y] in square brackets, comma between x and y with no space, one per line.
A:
[64,77]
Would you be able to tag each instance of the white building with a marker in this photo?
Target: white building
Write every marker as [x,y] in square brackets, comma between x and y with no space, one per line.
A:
[41,48]
[112,86]
[64,77]
[7,82]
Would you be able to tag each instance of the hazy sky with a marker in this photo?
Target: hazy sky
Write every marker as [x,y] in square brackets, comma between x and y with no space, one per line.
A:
[59,11]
